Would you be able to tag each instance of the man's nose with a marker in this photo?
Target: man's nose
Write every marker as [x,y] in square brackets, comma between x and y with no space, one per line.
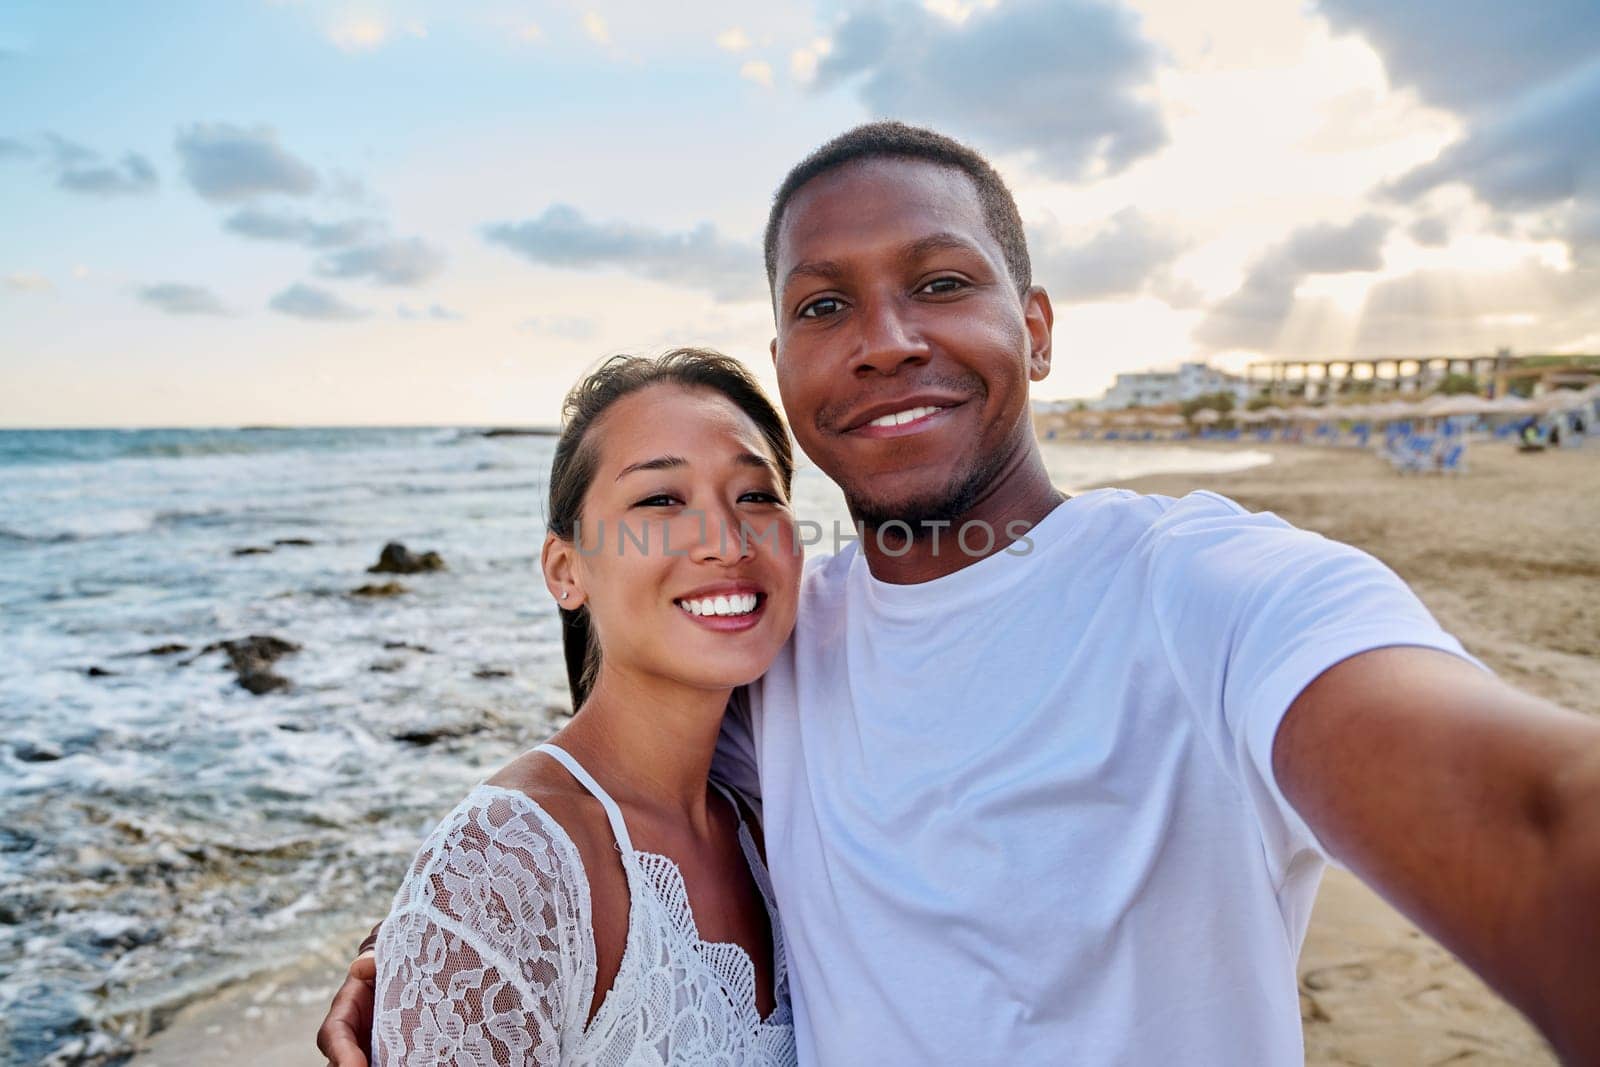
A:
[888,340]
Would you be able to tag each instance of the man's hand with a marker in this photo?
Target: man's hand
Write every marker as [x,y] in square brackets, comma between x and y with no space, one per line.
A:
[345,1034]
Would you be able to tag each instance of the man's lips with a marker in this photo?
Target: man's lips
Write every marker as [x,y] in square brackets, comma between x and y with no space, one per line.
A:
[893,418]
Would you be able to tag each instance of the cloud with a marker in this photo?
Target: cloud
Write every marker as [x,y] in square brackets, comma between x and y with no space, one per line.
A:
[134,175]
[177,299]
[79,169]
[733,40]
[309,302]
[1070,81]
[565,327]
[225,163]
[699,259]
[1471,57]
[1526,80]
[388,261]
[758,71]
[358,33]
[1121,260]
[435,312]
[365,32]
[1529,307]
[298,229]
[596,28]
[23,282]
[1430,231]
[1252,316]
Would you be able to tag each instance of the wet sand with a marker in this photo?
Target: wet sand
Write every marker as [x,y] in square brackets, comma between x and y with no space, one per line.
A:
[1504,556]
[1507,557]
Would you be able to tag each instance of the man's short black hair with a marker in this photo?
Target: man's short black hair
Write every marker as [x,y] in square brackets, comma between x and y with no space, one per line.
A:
[896,140]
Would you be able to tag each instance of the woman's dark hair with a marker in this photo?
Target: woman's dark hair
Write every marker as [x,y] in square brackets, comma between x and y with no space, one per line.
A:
[573,467]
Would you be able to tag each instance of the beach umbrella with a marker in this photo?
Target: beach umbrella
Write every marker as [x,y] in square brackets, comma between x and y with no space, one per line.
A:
[1511,405]
[1271,413]
[1126,418]
[1559,400]
[1206,416]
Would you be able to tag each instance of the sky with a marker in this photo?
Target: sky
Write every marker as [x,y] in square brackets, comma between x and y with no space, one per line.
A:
[407,212]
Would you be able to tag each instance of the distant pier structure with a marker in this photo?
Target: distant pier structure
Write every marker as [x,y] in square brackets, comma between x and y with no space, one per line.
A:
[1320,379]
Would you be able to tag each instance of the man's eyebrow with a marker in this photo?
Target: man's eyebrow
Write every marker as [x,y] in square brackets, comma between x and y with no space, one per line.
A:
[828,270]
[660,463]
[943,241]
[825,269]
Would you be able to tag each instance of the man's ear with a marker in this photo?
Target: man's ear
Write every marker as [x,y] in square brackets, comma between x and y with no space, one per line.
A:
[1040,317]
[559,561]
[773,348]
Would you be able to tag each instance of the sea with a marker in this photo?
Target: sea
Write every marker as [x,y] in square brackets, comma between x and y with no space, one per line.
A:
[165,832]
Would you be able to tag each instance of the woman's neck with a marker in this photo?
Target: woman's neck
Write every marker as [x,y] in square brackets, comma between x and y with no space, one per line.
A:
[655,739]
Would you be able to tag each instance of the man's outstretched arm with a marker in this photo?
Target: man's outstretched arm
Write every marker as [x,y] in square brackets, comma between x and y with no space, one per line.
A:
[1474,809]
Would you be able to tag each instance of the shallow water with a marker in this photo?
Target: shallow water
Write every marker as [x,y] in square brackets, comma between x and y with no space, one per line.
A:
[164,831]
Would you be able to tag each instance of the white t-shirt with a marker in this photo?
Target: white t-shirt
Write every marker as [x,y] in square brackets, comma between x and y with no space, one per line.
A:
[1025,813]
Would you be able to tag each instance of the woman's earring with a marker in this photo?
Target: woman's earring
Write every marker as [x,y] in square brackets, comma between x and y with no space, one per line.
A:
[565,593]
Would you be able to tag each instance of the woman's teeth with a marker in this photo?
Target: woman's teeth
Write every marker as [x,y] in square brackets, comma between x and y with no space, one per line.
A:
[742,604]
[901,417]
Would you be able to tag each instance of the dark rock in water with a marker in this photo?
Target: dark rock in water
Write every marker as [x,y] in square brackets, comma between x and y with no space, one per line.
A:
[251,550]
[385,589]
[527,431]
[408,645]
[293,542]
[36,751]
[262,681]
[427,735]
[386,666]
[99,672]
[251,659]
[166,650]
[491,672]
[398,559]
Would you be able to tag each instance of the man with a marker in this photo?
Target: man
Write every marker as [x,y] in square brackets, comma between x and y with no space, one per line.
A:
[1054,780]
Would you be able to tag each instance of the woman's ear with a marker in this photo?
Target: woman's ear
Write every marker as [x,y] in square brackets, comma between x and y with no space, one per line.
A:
[559,561]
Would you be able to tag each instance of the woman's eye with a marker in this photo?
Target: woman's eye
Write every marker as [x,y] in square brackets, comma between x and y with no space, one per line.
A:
[943,285]
[660,500]
[761,496]
[821,308]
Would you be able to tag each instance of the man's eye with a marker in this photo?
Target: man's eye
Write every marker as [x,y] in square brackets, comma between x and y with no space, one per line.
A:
[821,308]
[943,285]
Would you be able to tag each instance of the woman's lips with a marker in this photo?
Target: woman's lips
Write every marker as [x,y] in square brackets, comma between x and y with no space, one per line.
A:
[733,622]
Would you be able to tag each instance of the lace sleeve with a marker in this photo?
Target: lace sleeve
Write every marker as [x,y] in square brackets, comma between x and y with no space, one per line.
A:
[486,959]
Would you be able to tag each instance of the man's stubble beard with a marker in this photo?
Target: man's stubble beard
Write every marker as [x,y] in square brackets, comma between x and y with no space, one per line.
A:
[925,513]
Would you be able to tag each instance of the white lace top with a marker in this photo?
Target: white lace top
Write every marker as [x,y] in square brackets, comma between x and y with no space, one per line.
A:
[487,958]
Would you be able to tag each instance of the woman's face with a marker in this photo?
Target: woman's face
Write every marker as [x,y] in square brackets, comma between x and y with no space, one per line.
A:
[685,554]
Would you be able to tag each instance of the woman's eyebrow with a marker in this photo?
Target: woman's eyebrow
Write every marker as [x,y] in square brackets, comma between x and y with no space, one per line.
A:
[660,463]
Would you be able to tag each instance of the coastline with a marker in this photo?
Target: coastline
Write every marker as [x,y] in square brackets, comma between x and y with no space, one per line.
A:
[1495,554]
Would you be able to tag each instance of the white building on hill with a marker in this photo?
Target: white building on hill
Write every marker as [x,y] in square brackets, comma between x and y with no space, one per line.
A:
[1154,388]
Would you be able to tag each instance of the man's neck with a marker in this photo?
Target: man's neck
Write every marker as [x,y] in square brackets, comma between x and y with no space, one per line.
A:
[1016,500]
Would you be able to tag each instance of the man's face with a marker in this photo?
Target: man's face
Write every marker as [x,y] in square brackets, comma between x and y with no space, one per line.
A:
[903,351]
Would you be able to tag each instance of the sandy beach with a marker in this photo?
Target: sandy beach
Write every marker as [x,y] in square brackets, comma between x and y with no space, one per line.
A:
[1503,555]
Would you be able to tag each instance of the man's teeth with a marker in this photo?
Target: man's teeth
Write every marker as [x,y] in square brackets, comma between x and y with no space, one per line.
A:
[740,604]
[900,417]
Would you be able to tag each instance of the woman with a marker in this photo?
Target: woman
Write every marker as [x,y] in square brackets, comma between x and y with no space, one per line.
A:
[599,900]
